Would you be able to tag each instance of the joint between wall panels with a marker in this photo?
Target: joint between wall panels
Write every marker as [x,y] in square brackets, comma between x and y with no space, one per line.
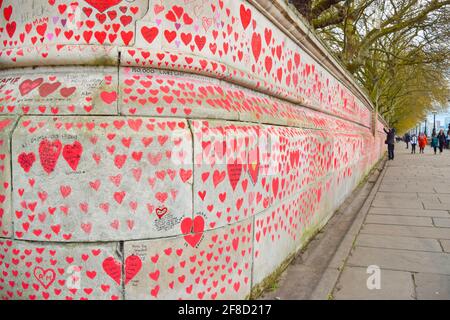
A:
[189,123]
[18,118]
[119,94]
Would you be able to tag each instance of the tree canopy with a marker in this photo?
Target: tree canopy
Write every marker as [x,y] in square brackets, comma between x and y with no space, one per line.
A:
[397,49]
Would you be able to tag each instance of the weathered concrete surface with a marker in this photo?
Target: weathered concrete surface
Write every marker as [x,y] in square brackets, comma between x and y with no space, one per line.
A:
[63,90]
[201,265]
[96,179]
[6,127]
[54,271]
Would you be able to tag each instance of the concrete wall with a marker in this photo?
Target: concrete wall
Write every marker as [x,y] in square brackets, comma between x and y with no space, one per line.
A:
[165,150]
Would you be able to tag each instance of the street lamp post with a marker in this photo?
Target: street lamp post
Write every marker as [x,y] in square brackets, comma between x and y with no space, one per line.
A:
[434,122]
[425,131]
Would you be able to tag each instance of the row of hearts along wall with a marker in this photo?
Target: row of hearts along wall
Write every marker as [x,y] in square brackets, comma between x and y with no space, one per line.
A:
[167,262]
[65,151]
[224,39]
[206,264]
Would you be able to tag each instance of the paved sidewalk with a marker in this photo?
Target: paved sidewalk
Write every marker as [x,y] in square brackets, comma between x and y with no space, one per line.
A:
[406,232]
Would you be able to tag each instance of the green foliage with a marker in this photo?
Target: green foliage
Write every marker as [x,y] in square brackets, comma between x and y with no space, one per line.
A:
[397,49]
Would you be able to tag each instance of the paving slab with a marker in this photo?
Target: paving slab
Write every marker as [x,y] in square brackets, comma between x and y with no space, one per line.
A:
[411,231]
[445,245]
[394,285]
[399,220]
[410,212]
[432,286]
[443,198]
[403,260]
[398,203]
[408,188]
[395,242]
[396,195]
[435,205]
[442,222]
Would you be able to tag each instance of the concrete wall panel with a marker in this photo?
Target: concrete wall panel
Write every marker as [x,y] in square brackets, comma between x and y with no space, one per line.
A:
[6,127]
[33,271]
[200,265]
[97,178]
[56,91]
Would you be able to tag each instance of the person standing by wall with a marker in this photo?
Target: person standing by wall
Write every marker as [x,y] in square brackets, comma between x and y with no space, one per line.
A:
[390,141]
[422,142]
[442,140]
[413,143]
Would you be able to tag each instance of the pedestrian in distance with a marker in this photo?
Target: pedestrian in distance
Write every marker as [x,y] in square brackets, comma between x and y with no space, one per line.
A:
[390,141]
[407,139]
[442,140]
[413,143]
[434,142]
[422,142]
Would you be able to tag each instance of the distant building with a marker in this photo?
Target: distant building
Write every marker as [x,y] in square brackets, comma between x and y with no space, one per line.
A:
[442,122]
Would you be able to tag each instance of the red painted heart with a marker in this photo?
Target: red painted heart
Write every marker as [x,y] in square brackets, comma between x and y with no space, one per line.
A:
[72,154]
[67,92]
[26,160]
[113,269]
[103,5]
[256,45]
[49,153]
[193,230]
[45,277]
[234,173]
[149,34]
[161,212]
[133,265]
[47,89]
[29,85]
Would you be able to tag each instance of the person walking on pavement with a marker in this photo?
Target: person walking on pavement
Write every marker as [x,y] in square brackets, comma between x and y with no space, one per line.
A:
[442,140]
[448,137]
[390,141]
[413,143]
[407,139]
[422,142]
[434,142]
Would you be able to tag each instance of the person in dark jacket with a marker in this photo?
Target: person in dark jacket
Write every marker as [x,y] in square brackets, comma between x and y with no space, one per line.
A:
[390,141]
[407,139]
[442,140]
[434,141]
